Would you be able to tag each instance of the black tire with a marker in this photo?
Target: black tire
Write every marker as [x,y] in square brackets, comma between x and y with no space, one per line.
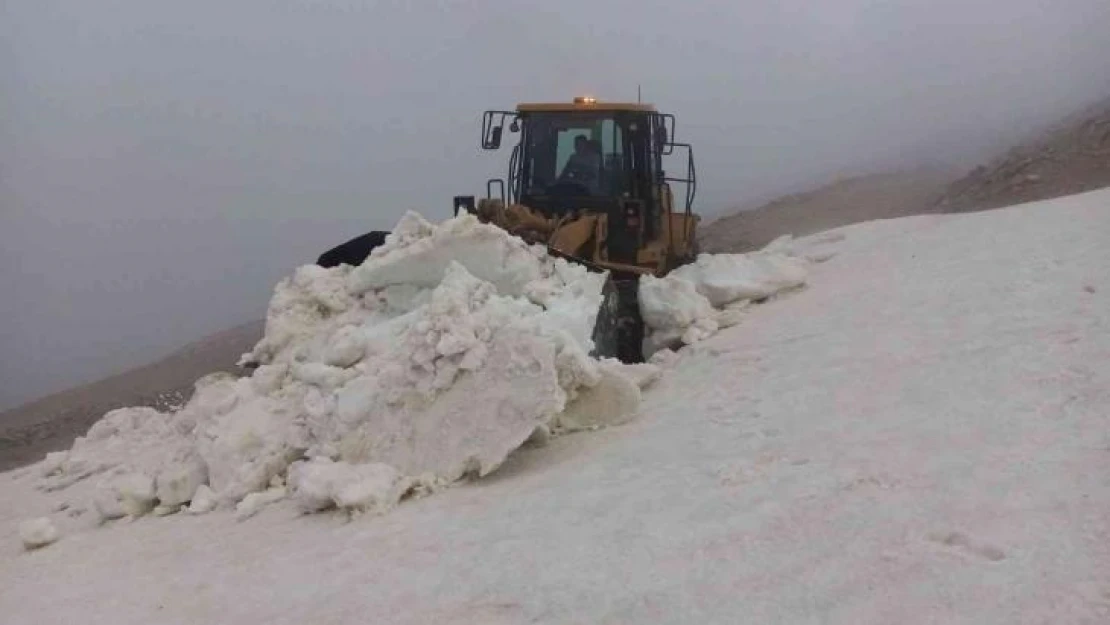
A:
[353,252]
[619,328]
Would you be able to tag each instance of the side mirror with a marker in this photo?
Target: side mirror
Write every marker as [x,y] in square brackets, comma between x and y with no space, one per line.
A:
[666,133]
[493,125]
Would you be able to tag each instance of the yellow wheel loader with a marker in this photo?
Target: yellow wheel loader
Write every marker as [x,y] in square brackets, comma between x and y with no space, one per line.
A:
[586,179]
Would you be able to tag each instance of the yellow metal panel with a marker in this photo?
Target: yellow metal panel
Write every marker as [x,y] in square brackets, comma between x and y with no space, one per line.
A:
[570,238]
[651,255]
[596,106]
[682,231]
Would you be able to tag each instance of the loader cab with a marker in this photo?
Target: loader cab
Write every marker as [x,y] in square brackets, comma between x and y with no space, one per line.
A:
[626,142]
[577,159]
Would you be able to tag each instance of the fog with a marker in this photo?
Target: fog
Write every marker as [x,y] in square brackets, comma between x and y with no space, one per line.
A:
[163,164]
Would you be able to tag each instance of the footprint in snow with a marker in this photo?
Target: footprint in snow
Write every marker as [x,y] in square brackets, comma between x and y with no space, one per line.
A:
[961,542]
[493,613]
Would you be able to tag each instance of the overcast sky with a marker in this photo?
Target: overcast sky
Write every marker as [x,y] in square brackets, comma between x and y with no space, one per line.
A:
[162,164]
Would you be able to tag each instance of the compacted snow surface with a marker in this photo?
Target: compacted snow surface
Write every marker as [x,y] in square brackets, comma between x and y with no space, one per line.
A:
[913,429]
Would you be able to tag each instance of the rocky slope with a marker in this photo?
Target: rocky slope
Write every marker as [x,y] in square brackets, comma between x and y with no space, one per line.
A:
[1072,156]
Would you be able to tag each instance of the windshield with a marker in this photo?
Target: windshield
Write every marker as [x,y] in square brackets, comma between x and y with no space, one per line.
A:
[573,154]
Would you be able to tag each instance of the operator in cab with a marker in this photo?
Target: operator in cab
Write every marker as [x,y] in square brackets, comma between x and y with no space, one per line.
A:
[584,165]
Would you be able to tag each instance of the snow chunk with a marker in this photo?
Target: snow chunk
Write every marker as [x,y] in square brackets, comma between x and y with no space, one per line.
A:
[612,401]
[696,300]
[301,303]
[126,440]
[204,501]
[244,448]
[253,503]
[38,533]
[726,278]
[674,310]
[418,253]
[320,484]
[451,428]
[130,494]
[176,483]
[346,347]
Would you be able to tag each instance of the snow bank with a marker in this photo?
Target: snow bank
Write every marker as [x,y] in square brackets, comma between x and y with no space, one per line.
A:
[448,348]
[442,353]
[694,301]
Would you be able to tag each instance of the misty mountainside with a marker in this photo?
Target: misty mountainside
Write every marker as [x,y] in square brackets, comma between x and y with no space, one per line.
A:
[1068,157]
[51,423]
[1072,156]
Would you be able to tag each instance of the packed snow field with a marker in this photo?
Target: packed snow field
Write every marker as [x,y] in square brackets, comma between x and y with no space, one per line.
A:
[917,434]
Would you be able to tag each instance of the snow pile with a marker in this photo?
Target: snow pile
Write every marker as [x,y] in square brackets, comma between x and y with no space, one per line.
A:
[694,301]
[447,349]
[444,351]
